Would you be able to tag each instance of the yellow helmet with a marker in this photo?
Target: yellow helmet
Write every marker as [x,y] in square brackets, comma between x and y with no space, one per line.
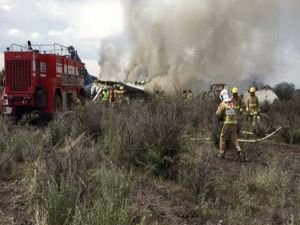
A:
[235,90]
[252,90]
[121,87]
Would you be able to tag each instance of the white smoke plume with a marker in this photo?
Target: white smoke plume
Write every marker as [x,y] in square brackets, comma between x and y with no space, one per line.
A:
[176,44]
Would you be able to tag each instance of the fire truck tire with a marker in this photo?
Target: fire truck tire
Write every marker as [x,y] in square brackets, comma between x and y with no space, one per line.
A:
[57,103]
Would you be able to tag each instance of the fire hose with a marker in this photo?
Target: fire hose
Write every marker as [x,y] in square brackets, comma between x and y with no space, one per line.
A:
[97,95]
[244,140]
[260,139]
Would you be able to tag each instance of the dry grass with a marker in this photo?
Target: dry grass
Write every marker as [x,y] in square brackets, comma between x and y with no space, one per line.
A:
[80,169]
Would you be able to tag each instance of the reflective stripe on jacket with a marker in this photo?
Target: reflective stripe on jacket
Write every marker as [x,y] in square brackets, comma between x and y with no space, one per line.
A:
[253,105]
[189,96]
[227,112]
[105,96]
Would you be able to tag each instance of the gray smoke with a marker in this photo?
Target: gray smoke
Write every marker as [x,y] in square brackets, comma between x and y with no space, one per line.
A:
[177,44]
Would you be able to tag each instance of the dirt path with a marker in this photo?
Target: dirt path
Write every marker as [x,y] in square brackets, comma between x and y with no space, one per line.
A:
[163,203]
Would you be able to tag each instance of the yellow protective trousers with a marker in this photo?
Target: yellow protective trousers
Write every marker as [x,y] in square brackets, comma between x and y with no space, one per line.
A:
[229,132]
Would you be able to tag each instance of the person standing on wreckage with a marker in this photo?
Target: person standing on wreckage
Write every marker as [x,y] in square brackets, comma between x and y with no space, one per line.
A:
[226,112]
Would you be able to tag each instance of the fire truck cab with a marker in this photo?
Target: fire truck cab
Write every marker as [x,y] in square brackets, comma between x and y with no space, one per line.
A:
[41,78]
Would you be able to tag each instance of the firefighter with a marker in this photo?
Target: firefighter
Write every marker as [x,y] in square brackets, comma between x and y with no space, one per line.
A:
[184,95]
[227,114]
[121,94]
[239,106]
[252,106]
[237,101]
[105,97]
[112,96]
[189,95]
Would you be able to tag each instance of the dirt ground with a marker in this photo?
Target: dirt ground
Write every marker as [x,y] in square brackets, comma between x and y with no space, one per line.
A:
[166,203]
[14,203]
[163,203]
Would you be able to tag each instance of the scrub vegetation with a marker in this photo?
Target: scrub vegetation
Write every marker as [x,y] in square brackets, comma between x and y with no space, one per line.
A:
[147,163]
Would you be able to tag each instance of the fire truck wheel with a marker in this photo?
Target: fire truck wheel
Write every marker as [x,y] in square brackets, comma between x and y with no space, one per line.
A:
[57,103]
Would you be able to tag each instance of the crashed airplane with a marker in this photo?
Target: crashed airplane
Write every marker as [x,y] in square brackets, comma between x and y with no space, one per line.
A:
[134,90]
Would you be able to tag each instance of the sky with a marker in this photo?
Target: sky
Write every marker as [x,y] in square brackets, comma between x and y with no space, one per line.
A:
[87,24]
[82,24]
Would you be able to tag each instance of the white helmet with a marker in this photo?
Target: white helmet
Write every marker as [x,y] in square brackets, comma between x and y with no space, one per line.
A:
[224,96]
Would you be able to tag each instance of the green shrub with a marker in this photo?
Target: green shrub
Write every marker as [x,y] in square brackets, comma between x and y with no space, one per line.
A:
[292,136]
[245,197]
[90,119]
[150,135]
[284,90]
[105,200]
[59,201]
[287,114]
[75,188]
[273,182]
[109,202]
[195,167]
[58,133]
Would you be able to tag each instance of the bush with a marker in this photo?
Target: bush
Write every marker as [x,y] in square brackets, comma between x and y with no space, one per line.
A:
[291,136]
[18,145]
[91,118]
[284,90]
[75,188]
[109,203]
[195,167]
[287,118]
[246,197]
[59,201]
[149,135]
[106,201]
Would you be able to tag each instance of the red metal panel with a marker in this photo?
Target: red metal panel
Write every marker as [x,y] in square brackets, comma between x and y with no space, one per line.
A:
[18,75]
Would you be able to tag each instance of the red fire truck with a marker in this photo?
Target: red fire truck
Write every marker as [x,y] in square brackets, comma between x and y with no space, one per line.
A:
[41,78]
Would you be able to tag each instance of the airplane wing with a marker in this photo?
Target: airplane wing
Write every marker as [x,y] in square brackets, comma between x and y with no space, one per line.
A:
[133,88]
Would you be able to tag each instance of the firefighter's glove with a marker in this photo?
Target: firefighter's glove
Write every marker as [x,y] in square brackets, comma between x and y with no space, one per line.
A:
[221,119]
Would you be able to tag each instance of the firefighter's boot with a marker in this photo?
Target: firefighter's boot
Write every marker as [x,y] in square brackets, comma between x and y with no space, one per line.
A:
[242,157]
[221,155]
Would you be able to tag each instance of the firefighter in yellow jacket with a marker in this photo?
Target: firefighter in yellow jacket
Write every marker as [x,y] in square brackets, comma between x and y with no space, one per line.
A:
[252,106]
[227,113]
[239,106]
[105,97]
[237,101]
[189,95]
